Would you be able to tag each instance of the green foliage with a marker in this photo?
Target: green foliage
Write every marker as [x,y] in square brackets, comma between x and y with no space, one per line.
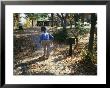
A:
[16,20]
[80,27]
[43,15]
[60,36]
[34,16]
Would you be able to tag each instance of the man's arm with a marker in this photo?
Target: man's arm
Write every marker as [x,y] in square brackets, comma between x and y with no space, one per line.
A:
[51,37]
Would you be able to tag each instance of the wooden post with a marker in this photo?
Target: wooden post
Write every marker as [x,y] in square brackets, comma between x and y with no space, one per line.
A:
[70,50]
[70,41]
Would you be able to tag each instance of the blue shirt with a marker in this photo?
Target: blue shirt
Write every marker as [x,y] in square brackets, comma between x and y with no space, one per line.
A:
[46,36]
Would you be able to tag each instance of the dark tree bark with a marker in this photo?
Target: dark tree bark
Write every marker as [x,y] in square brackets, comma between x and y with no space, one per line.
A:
[71,17]
[32,23]
[91,38]
[76,17]
[52,20]
[90,67]
[63,20]
[81,16]
[65,24]
[70,24]
[16,19]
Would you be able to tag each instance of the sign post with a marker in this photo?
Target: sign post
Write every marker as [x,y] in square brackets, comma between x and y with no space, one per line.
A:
[70,42]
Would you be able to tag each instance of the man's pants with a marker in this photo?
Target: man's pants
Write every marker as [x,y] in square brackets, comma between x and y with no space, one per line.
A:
[46,46]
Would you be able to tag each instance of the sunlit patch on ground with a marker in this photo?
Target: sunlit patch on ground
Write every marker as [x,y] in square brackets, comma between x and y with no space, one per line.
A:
[29,60]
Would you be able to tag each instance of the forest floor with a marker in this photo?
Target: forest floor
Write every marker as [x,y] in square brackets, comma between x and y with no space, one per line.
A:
[28,56]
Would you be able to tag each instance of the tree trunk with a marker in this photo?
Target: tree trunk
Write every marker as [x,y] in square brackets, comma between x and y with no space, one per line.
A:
[18,19]
[70,50]
[32,23]
[64,24]
[88,58]
[76,19]
[91,38]
[70,24]
[63,20]
[52,15]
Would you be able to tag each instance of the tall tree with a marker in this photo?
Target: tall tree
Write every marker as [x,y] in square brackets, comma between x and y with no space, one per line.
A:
[16,19]
[52,19]
[93,24]
[76,17]
[77,27]
[32,17]
[70,18]
[63,17]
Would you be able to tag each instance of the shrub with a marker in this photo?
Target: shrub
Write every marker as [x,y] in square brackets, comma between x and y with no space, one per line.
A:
[60,36]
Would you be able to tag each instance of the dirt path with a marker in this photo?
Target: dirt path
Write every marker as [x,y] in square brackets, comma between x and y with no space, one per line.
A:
[58,63]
